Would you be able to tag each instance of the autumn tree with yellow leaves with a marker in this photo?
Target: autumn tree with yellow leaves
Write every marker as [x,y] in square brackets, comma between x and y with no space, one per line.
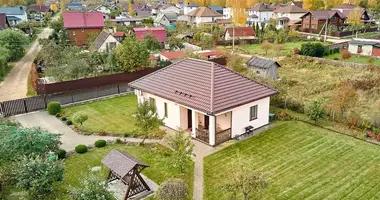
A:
[355,19]
[355,2]
[238,9]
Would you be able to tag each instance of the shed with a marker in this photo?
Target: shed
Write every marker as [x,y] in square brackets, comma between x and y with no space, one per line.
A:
[263,67]
[105,42]
[127,169]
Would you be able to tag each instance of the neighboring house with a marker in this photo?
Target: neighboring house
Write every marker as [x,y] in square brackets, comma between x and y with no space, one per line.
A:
[190,7]
[210,54]
[218,9]
[263,67]
[38,9]
[158,32]
[203,15]
[119,36]
[241,33]
[75,6]
[227,13]
[315,20]
[210,100]
[288,16]
[103,9]
[365,47]
[164,8]
[104,43]
[15,15]
[347,8]
[297,3]
[4,24]
[143,14]
[260,13]
[165,19]
[127,21]
[172,56]
[80,24]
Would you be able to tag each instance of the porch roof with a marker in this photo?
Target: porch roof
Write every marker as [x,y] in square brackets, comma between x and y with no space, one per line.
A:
[203,85]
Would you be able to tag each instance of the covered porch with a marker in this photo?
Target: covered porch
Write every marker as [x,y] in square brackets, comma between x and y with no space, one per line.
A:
[212,130]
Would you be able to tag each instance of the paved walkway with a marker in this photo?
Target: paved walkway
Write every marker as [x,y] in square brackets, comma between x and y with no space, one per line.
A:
[69,138]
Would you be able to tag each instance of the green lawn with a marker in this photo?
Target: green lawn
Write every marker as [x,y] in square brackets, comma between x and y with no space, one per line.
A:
[112,115]
[156,156]
[302,162]
[355,59]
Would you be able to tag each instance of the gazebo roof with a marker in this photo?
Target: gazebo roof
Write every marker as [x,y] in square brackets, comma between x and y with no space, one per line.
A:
[121,162]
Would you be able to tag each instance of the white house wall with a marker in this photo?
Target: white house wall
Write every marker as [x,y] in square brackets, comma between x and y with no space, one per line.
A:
[366,49]
[103,47]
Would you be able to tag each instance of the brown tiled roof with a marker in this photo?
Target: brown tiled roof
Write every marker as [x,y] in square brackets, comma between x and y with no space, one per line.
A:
[121,162]
[298,3]
[347,6]
[323,14]
[204,12]
[261,7]
[203,85]
[241,31]
[290,9]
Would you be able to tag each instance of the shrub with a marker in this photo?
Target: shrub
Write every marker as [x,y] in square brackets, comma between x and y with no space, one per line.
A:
[64,118]
[312,49]
[344,54]
[61,153]
[54,107]
[118,141]
[69,122]
[58,115]
[92,187]
[100,143]
[173,189]
[79,118]
[284,115]
[81,148]
[296,51]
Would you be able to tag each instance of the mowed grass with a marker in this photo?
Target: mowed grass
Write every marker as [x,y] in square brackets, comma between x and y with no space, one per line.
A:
[302,162]
[355,59]
[156,156]
[113,115]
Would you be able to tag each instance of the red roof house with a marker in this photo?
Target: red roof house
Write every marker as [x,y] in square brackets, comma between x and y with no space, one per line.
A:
[158,32]
[80,24]
[241,33]
[119,36]
[172,55]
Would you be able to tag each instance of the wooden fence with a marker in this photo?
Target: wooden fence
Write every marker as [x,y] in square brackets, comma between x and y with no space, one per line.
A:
[30,104]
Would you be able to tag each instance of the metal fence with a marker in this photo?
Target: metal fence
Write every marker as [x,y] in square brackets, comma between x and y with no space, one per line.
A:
[30,104]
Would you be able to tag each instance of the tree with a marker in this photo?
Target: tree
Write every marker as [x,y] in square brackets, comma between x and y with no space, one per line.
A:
[131,55]
[92,188]
[151,42]
[147,22]
[355,19]
[79,118]
[308,4]
[38,175]
[147,119]
[131,11]
[182,150]
[236,63]
[91,37]
[266,46]
[245,181]
[175,43]
[206,42]
[343,98]
[278,48]
[14,41]
[173,189]
[316,110]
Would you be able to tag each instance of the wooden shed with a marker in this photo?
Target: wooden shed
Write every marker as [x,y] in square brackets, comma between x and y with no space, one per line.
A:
[263,67]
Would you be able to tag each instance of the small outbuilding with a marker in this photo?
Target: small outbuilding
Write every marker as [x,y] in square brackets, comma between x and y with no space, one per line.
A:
[364,47]
[104,43]
[127,169]
[263,67]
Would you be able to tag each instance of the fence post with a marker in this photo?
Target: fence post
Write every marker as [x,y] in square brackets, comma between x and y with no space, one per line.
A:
[72,97]
[2,108]
[45,101]
[26,109]
[118,89]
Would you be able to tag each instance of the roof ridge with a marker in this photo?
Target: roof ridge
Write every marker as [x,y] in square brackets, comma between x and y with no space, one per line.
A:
[212,88]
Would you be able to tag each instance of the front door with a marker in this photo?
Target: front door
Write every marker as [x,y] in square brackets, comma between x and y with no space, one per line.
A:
[189,119]
[207,122]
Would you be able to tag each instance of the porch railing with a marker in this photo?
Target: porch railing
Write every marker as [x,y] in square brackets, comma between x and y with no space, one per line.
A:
[222,136]
[202,135]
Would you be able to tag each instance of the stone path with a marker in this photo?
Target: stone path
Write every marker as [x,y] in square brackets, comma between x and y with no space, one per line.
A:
[69,138]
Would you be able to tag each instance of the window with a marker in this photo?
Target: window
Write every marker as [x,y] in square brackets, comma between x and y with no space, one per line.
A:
[165,110]
[306,25]
[112,45]
[308,17]
[360,48]
[313,26]
[74,33]
[253,113]
[82,29]
[152,101]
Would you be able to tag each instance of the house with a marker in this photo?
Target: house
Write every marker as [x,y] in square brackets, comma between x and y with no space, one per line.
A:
[218,9]
[210,54]
[288,16]
[227,13]
[165,8]
[158,32]
[80,24]
[4,24]
[127,21]
[143,14]
[210,100]
[119,36]
[15,15]
[165,19]
[190,7]
[314,20]
[263,67]
[241,33]
[203,15]
[365,47]
[347,8]
[260,13]
[104,43]
[38,9]
[172,56]
[103,9]
[297,3]
[75,6]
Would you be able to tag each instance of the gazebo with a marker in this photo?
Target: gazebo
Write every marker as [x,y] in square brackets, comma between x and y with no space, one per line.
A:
[127,169]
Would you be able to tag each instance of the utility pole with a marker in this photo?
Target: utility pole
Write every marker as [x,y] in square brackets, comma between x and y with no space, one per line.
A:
[233,37]
[326,25]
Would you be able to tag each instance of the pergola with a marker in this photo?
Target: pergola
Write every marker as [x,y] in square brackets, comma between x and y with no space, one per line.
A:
[126,168]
